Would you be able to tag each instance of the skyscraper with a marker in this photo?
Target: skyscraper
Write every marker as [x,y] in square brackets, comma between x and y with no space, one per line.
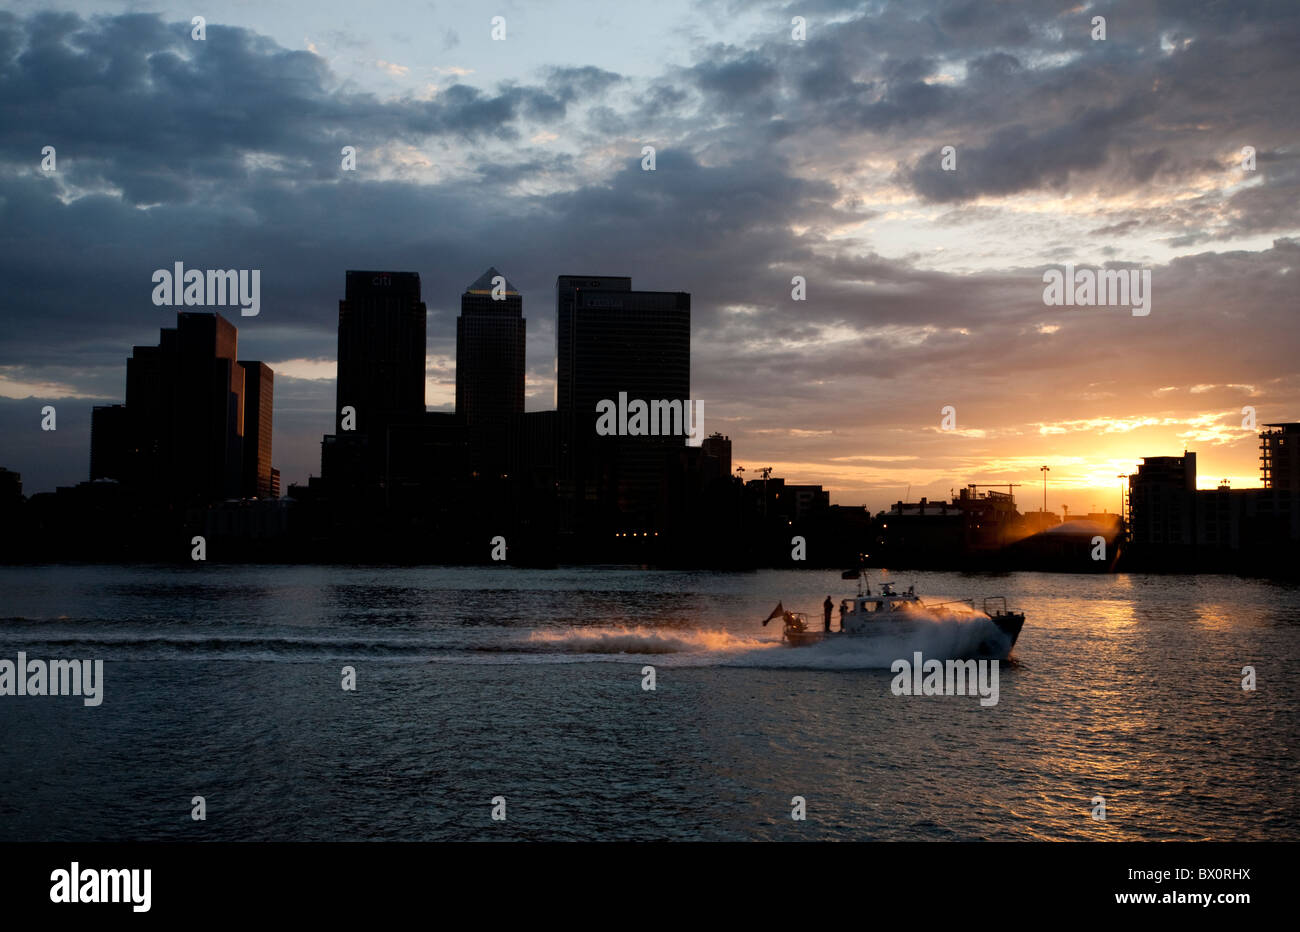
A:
[381,349]
[259,384]
[208,417]
[184,417]
[381,387]
[490,370]
[612,340]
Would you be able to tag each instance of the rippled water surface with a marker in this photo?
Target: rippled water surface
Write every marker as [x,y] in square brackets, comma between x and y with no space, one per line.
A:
[224,682]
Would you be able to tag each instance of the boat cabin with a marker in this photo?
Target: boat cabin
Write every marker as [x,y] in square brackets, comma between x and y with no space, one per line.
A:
[866,606]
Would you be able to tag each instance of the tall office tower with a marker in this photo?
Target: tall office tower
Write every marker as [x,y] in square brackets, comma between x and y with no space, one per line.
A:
[490,371]
[145,401]
[185,412]
[381,379]
[259,385]
[209,408]
[612,341]
[381,349]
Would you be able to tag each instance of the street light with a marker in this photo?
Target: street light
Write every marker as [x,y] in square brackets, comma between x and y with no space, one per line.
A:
[1121,496]
[1045,470]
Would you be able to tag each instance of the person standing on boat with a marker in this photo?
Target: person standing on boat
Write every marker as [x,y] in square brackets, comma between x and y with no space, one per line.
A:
[826,612]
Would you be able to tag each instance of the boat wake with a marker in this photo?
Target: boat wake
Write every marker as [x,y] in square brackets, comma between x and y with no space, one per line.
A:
[490,645]
[938,633]
[642,640]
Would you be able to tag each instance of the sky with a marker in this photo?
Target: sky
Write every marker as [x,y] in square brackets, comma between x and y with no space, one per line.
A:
[775,157]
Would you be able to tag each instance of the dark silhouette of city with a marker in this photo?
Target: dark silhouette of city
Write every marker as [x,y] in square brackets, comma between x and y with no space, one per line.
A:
[619,472]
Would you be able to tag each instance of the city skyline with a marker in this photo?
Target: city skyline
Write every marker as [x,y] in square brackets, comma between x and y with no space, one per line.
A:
[1064,487]
[192,446]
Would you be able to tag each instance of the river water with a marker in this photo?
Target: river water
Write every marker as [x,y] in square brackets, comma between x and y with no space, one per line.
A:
[474,683]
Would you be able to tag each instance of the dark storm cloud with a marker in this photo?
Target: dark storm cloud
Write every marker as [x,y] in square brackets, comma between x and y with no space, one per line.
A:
[1042,106]
[1121,111]
[1017,159]
[734,77]
[138,104]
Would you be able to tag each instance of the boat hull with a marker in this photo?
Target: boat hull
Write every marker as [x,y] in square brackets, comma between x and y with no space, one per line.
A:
[1004,631]
[1009,623]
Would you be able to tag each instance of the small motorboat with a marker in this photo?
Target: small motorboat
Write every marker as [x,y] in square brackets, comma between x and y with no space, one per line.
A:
[886,611]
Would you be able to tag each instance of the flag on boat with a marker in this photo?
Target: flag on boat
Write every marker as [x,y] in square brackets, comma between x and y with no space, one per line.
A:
[778,612]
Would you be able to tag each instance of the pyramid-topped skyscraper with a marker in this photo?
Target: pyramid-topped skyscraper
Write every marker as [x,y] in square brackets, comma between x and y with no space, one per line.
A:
[490,336]
[486,283]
